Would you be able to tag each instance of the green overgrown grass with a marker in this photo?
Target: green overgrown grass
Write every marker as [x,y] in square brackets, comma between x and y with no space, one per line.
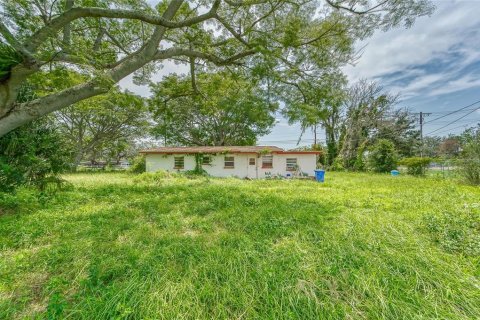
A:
[118,246]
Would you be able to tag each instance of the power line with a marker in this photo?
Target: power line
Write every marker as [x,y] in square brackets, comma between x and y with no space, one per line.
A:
[462,126]
[448,111]
[455,111]
[452,122]
[446,121]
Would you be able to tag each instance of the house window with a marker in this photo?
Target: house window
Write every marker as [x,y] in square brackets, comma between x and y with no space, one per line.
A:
[229,162]
[267,161]
[291,164]
[206,160]
[178,162]
[251,161]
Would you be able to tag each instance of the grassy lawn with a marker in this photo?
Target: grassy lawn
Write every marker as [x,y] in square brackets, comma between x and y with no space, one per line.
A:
[115,246]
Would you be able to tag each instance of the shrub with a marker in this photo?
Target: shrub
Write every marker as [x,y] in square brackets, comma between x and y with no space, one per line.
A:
[139,164]
[337,164]
[382,156]
[470,170]
[469,164]
[359,163]
[415,166]
[32,155]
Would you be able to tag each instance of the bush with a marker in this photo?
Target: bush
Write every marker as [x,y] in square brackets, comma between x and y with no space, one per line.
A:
[32,155]
[337,164]
[382,156]
[470,170]
[139,164]
[469,164]
[416,166]
[359,164]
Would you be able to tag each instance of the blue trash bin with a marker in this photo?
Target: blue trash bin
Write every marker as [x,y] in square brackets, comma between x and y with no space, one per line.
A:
[320,175]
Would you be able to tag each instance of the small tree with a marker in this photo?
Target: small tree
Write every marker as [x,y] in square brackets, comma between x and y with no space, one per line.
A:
[382,156]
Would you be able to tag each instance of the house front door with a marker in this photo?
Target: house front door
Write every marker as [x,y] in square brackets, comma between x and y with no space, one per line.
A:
[252,164]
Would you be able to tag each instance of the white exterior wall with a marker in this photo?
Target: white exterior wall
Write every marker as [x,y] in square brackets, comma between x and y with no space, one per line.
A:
[242,169]
[306,162]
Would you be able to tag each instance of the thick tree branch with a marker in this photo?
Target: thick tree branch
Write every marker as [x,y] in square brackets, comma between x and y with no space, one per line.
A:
[92,12]
[67,28]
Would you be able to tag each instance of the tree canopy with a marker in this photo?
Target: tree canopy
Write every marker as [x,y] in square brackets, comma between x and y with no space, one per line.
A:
[103,126]
[221,109]
[109,40]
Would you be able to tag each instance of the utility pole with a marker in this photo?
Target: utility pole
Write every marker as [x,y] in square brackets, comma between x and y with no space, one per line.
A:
[165,122]
[422,116]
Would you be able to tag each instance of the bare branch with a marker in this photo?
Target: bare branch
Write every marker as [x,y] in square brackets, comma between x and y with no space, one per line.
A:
[230,29]
[98,39]
[116,42]
[173,52]
[241,3]
[351,9]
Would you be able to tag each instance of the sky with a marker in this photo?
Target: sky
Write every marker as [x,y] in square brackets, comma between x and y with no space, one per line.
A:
[434,66]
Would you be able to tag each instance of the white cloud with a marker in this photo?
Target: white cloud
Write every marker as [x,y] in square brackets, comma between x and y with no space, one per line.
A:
[449,37]
[456,85]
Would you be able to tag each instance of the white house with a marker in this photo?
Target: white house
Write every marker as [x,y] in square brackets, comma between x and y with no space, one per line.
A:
[239,161]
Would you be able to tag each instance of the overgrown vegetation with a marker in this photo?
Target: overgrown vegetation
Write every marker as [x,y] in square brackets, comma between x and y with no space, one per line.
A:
[470,157]
[382,156]
[416,166]
[139,164]
[457,231]
[9,58]
[32,155]
[163,246]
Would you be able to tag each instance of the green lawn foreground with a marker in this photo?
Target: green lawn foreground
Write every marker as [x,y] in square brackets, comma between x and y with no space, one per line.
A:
[116,246]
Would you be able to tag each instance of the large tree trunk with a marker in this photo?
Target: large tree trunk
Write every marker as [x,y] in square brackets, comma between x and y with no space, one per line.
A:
[331,144]
[78,158]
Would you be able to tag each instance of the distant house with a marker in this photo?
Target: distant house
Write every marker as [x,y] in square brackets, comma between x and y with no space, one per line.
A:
[240,161]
